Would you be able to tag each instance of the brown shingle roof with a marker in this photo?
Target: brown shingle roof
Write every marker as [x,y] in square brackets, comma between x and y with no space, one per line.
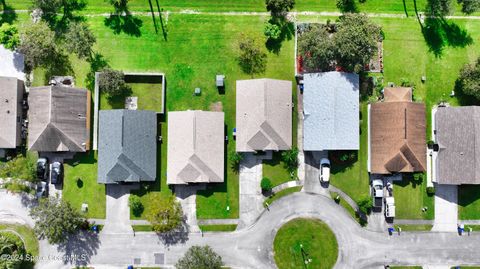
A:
[397,137]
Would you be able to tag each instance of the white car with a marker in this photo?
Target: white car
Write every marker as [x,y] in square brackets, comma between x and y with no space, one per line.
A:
[324,170]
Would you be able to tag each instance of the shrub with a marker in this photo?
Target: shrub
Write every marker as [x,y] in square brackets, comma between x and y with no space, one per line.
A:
[21,167]
[266,184]
[135,205]
[17,187]
[164,213]
[112,82]
[272,31]
[430,143]
[252,58]
[290,160]
[9,36]
[365,205]
[279,7]
[418,177]
[430,191]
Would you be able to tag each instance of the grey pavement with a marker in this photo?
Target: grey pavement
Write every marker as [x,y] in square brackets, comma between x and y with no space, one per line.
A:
[11,64]
[118,211]
[217,221]
[252,247]
[187,196]
[251,197]
[446,208]
[312,173]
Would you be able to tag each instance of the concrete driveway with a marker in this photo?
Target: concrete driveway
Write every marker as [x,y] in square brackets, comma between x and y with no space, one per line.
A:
[118,211]
[251,197]
[12,64]
[446,208]
[312,182]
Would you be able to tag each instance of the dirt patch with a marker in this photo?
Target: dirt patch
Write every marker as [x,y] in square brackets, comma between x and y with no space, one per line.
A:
[217,107]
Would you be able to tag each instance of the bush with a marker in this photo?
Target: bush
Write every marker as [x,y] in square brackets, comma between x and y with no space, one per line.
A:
[290,160]
[266,185]
[21,167]
[272,31]
[430,191]
[17,187]
[418,177]
[9,37]
[279,7]
[135,205]
[365,205]
[112,82]
[348,156]
[430,143]
[252,58]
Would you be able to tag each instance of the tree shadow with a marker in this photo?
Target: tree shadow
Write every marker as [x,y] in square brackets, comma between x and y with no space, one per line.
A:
[117,101]
[342,160]
[97,63]
[287,31]
[79,248]
[164,27]
[464,99]
[177,236]
[439,33]
[8,15]
[59,66]
[126,23]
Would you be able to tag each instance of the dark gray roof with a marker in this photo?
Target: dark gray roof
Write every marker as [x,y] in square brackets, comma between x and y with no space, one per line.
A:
[127,150]
[458,136]
[11,94]
[59,119]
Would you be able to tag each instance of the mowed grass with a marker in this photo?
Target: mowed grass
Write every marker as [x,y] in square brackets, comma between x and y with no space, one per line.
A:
[319,244]
[80,185]
[469,202]
[410,198]
[149,97]
[281,194]
[274,170]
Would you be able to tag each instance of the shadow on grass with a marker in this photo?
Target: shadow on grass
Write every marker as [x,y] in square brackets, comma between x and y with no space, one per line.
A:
[440,33]
[464,99]
[97,63]
[59,65]
[409,179]
[468,194]
[342,160]
[8,15]
[127,24]
[287,31]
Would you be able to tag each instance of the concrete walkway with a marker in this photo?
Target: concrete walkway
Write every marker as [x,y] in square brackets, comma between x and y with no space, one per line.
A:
[218,221]
[446,208]
[286,185]
[251,197]
[118,211]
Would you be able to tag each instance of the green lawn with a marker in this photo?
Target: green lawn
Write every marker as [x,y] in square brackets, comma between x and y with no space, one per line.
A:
[415,227]
[142,228]
[149,97]
[275,171]
[319,244]
[86,190]
[28,237]
[353,178]
[218,228]
[280,194]
[349,209]
[468,202]
[410,198]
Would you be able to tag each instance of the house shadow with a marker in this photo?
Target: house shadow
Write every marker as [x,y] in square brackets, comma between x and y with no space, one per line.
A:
[468,194]
[340,163]
[287,32]
[125,23]
[440,33]
[79,248]
[8,15]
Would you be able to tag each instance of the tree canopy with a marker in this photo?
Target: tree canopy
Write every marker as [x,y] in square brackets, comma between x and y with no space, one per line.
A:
[469,6]
[469,80]
[38,44]
[200,257]
[13,246]
[112,82]
[252,58]
[51,7]
[165,214]
[317,48]
[55,219]
[439,8]
[80,40]
[9,36]
[279,7]
[355,41]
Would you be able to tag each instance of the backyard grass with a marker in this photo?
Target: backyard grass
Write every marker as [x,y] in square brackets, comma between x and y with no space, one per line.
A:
[80,185]
[415,227]
[27,236]
[469,202]
[149,97]
[274,169]
[318,241]
[281,194]
[353,178]
[411,197]
[218,228]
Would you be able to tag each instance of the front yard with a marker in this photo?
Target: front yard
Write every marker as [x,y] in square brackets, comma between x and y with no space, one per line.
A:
[411,197]
[274,170]
[469,202]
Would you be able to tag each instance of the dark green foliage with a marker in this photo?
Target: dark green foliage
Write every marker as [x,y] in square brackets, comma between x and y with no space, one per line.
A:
[317,49]
[430,191]
[12,246]
[469,81]
[119,5]
[21,167]
[55,219]
[266,184]
[39,46]
[347,6]
[439,8]
[112,83]
[290,159]
[252,58]
[135,205]
[469,6]
[200,257]
[365,205]
[9,36]
[279,7]
[80,40]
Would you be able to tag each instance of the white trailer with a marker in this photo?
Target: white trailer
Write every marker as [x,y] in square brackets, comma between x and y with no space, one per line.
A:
[389,207]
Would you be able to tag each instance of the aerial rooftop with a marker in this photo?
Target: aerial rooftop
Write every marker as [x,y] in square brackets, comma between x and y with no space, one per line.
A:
[11,95]
[331,111]
[264,115]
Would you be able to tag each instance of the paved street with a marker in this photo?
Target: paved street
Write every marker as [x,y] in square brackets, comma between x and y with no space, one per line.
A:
[252,247]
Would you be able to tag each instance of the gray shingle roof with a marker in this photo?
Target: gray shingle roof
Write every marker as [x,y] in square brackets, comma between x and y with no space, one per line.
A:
[264,115]
[59,119]
[331,111]
[458,136]
[127,150]
[196,147]
[11,94]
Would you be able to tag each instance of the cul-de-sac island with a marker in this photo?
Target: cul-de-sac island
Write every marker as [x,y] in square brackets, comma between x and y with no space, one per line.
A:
[214,134]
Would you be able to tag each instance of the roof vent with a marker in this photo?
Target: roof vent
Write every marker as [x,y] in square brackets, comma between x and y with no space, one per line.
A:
[461,153]
[6,100]
[8,111]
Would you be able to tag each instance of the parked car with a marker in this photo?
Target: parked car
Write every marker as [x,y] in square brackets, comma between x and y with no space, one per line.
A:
[389,207]
[42,189]
[377,193]
[324,170]
[42,169]
[57,173]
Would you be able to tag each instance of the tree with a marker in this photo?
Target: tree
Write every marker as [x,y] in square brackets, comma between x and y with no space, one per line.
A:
[266,184]
[80,40]
[55,219]
[165,213]
[38,44]
[135,205]
[272,31]
[317,49]
[119,5]
[200,257]
[469,6]
[347,6]
[469,80]
[355,41]
[365,205]
[252,59]
[9,37]
[279,7]
[439,8]
[112,82]
[290,159]
[12,246]
[50,8]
